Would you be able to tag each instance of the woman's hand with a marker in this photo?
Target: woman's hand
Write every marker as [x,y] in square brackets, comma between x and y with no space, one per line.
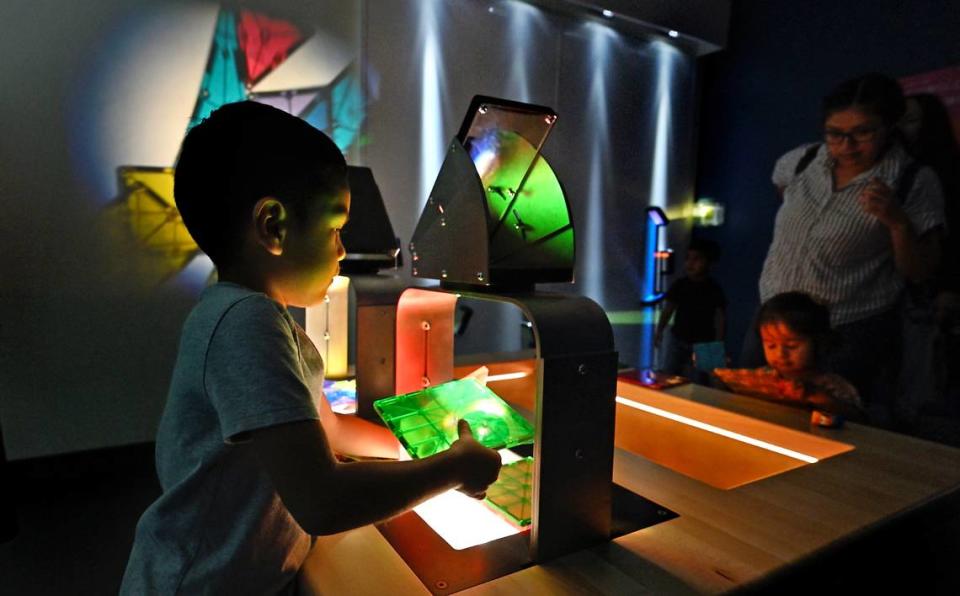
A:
[877,199]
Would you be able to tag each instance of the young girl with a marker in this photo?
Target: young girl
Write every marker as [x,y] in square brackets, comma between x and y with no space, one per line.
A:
[795,332]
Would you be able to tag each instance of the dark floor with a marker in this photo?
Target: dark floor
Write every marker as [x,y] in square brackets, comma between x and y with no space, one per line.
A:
[75,515]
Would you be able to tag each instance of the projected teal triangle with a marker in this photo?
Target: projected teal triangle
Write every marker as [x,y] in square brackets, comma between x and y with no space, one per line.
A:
[222,82]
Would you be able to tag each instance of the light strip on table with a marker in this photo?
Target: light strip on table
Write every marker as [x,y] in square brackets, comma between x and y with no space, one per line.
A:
[507,376]
[717,430]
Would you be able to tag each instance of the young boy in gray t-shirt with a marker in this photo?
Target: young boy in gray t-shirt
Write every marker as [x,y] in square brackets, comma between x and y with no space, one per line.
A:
[245,445]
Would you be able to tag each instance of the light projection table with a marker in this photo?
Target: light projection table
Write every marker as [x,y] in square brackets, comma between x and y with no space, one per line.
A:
[723,538]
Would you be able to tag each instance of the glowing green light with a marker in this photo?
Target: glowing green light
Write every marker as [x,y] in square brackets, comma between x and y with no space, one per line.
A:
[511,493]
[425,421]
[526,203]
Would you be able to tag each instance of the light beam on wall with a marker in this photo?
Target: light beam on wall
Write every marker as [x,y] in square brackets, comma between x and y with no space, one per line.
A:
[592,271]
[432,143]
[659,190]
[520,17]
[665,55]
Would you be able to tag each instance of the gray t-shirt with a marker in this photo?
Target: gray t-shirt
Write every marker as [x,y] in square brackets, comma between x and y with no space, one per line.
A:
[219,527]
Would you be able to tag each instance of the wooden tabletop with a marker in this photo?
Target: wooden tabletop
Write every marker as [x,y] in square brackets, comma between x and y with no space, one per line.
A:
[721,538]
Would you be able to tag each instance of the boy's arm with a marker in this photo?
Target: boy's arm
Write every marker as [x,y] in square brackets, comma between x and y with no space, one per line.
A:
[326,496]
[350,435]
[669,307]
[720,323]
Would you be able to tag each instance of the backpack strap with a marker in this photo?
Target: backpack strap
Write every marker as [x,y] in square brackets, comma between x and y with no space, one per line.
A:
[808,156]
[905,182]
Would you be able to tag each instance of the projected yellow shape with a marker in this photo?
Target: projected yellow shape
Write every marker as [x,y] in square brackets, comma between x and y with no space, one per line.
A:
[153,218]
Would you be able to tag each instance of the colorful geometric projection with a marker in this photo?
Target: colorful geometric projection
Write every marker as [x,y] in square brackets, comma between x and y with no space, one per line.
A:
[246,47]
[337,109]
[265,43]
[153,215]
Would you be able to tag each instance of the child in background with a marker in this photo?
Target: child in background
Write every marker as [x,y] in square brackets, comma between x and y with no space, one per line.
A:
[246,447]
[795,334]
[699,305]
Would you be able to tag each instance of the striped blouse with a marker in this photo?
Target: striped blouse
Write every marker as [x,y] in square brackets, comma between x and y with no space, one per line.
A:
[825,245]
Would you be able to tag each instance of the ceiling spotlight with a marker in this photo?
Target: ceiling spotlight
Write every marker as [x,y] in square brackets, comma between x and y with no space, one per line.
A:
[673,33]
[607,13]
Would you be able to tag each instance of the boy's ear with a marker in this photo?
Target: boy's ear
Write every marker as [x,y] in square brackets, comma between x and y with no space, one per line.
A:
[270,224]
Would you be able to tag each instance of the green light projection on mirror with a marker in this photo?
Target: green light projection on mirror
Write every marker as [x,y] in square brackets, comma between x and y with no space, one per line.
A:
[425,421]
[525,200]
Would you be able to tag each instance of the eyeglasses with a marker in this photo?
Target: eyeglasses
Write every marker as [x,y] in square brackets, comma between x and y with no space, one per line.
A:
[855,136]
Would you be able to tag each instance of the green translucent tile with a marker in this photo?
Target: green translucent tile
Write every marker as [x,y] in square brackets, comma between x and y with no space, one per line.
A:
[511,492]
[425,421]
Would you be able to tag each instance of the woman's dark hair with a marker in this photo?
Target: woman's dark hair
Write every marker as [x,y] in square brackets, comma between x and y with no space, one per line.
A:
[803,315]
[935,145]
[241,153]
[872,93]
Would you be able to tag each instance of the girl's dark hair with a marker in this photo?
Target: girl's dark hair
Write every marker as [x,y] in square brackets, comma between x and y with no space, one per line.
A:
[872,93]
[803,315]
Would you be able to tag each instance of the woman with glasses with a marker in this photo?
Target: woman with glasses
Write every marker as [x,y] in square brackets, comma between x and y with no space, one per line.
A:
[857,221]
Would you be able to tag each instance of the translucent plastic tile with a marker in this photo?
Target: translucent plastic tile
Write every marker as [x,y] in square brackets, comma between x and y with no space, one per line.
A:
[511,492]
[425,421]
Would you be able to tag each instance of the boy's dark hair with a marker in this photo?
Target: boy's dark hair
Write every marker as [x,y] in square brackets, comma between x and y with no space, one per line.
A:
[241,153]
[872,93]
[803,315]
[708,248]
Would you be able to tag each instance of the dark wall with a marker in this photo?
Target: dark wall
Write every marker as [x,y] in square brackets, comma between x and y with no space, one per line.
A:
[761,97]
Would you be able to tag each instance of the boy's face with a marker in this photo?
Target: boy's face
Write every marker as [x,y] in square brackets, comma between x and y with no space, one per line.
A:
[696,264]
[313,250]
[788,352]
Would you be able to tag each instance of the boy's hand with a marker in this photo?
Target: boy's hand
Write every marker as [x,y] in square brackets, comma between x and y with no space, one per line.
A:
[477,466]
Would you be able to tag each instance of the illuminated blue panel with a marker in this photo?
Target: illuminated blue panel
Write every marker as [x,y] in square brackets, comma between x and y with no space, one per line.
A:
[655,220]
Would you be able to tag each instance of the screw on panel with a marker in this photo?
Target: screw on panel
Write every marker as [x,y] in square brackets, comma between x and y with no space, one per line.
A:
[443,273]
[480,276]
[425,325]
[414,271]
[582,369]
[578,454]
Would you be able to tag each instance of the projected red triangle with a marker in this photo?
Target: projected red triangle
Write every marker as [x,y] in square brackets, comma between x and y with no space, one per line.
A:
[265,43]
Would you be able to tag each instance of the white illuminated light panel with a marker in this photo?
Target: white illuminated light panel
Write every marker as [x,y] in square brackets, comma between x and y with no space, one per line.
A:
[717,430]
[463,521]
